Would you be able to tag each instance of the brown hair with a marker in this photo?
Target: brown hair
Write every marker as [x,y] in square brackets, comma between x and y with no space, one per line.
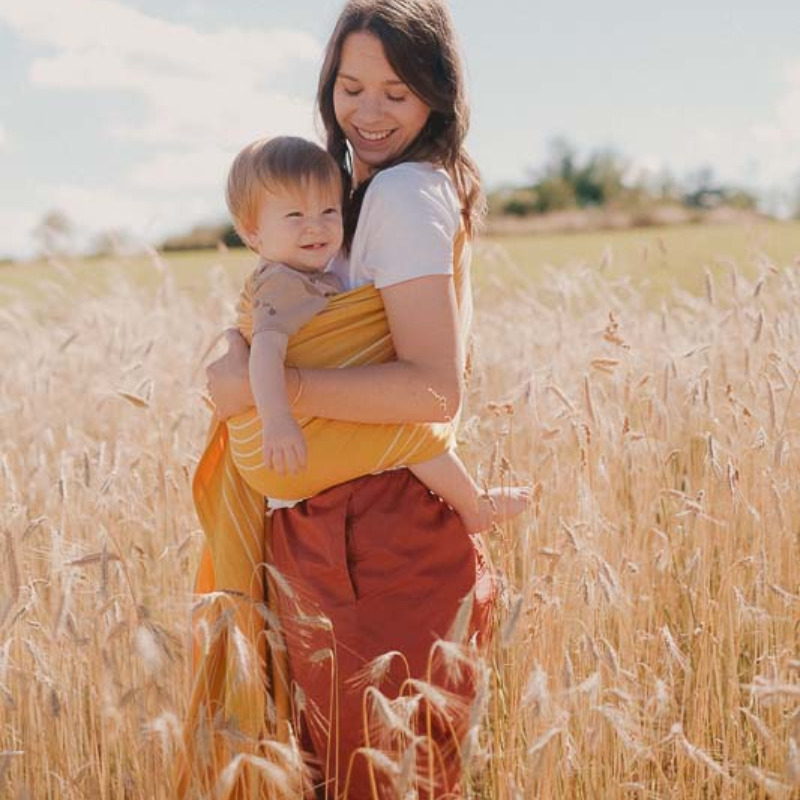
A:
[285,163]
[419,41]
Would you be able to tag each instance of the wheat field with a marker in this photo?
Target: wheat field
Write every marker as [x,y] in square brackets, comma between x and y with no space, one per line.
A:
[648,637]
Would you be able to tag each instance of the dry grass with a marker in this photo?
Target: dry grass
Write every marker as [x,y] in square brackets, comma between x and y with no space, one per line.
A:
[648,645]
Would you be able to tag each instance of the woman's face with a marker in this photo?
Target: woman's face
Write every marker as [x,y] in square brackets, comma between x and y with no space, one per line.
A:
[379,114]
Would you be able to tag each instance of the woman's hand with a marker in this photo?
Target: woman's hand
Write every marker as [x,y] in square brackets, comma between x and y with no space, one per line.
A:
[228,378]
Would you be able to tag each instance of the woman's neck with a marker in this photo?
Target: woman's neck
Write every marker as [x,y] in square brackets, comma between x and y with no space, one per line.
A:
[361,172]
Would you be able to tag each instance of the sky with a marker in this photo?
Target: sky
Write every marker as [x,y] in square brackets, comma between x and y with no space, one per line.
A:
[125,114]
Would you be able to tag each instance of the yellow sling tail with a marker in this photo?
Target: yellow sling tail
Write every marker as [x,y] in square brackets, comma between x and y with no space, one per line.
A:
[237,740]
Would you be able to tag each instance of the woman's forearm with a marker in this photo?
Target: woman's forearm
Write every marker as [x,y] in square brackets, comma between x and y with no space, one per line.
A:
[422,385]
[397,391]
[394,392]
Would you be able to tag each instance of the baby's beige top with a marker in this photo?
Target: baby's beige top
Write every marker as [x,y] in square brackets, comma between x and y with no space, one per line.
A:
[281,299]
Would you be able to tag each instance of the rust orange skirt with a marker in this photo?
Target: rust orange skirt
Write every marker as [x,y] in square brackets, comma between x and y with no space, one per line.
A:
[373,566]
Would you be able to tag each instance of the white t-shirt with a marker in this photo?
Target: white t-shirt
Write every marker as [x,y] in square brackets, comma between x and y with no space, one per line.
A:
[408,221]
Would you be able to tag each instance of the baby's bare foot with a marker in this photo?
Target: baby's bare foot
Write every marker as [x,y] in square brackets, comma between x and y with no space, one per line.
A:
[498,506]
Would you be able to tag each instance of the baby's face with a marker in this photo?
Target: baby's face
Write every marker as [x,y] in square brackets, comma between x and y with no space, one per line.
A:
[300,228]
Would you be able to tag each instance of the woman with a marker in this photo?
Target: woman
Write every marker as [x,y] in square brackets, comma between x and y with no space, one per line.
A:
[381,558]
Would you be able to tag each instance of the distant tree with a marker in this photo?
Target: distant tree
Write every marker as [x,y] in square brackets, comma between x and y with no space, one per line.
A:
[555,194]
[567,181]
[666,186]
[554,189]
[796,204]
[704,191]
[55,234]
[232,239]
[517,208]
[203,237]
[741,199]
[512,202]
[604,178]
[600,180]
[113,242]
[562,162]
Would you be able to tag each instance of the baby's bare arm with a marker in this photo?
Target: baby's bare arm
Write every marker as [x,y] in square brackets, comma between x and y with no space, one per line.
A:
[284,448]
[267,376]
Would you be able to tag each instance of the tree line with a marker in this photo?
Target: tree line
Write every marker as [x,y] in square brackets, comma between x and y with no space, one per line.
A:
[604,178]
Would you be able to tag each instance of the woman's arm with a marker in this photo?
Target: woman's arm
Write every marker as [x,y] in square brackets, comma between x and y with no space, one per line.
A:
[228,378]
[422,385]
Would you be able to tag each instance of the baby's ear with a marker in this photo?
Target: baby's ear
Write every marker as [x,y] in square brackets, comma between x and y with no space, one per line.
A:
[250,237]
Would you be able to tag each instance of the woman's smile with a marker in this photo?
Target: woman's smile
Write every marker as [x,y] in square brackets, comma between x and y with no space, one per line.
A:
[379,114]
[373,136]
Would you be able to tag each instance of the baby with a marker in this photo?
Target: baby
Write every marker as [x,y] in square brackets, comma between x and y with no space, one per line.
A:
[285,196]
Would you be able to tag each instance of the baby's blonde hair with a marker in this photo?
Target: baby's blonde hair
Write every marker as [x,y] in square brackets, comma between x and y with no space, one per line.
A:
[281,164]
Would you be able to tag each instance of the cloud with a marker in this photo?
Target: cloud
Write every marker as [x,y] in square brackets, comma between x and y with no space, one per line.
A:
[784,129]
[193,169]
[201,91]
[147,215]
[777,142]
[764,156]
[17,226]
[196,98]
[3,137]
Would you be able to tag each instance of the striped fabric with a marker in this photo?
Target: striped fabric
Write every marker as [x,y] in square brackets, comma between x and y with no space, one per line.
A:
[237,742]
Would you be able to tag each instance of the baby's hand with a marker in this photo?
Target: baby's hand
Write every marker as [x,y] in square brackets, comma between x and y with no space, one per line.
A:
[284,445]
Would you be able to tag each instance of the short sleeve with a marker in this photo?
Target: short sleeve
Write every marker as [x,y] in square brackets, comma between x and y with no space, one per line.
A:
[407,225]
[284,301]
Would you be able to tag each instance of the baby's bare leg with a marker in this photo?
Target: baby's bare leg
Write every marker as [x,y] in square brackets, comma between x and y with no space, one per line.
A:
[446,476]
